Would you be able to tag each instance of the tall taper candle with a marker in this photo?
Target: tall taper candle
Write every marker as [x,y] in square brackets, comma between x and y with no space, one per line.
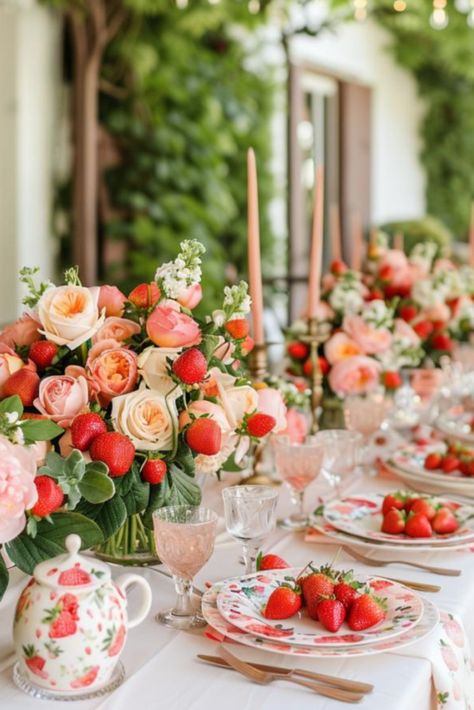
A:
[471,237]
[398,241]
[357,242]
[253,237]
[316,244]
[336,240]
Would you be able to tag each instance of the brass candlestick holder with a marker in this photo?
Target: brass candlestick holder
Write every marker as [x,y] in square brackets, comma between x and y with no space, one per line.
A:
[258,366]
[317,334]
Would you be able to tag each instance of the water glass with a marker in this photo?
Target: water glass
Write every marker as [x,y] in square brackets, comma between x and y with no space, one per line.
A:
[341,451]
[298,465]
[184,537]
[250,515]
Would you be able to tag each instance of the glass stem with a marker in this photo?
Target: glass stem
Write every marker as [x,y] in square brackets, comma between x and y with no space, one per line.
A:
[250,552]
[297,498]
[184,605]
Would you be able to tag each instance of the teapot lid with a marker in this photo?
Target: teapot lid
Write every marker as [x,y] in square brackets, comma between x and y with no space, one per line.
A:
[72,570]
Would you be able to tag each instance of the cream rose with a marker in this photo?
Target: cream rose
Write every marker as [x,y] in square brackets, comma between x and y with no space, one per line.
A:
[238,401]
[69,315]
[147,417]
[153,367]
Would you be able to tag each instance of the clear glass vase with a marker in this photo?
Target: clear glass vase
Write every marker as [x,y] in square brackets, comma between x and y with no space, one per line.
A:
[132,544]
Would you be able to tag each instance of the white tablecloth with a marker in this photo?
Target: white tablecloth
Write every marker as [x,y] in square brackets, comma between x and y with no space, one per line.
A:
[161,665]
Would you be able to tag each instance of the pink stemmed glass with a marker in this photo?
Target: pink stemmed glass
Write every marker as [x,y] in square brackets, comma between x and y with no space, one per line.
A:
[298,465]
[184,537]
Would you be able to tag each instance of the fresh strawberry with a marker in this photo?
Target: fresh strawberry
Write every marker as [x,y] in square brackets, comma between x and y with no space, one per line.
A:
[265,562]
[423,328]
[86,679]
[283,602]
[408,312]
[331,614]
[115,450]
[441,341]
[433,461]
[444,522]
[24,383]
[204,436]
[247,345]
[62,626]
[34,661]
[50,496]
[84,429]
[154,470]
[298,351]
[145,295]
[391,380]
[366,611]
[394,522]
[260,424]
[238,328]
[324,365]
[338,267]
[318,583]
[190,367]
[308,367]
[43,352]
[386,273]
[74,577]
[425,507]
[418,525]
[116,641]
[346,592]
[393,500]
[375,295]
[409,503]
[450,463]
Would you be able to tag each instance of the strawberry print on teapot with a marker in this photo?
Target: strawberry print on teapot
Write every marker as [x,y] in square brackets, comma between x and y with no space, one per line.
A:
[71,621]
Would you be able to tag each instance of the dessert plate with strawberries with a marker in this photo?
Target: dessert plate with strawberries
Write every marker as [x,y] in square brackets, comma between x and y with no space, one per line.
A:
[322,607]
[457,423]
[402,518]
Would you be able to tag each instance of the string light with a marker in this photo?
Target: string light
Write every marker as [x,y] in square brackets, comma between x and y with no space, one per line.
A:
[213,2]
[254,6]
[470,18]
[439,18]
[181,4]
[399,5]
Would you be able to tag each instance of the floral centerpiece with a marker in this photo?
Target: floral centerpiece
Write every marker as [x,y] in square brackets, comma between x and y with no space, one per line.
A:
[111,404]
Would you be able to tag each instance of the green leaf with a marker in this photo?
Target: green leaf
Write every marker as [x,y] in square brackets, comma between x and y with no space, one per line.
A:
[12,404]
[75,465]
[65,523]
[4,576]
[40,429]
[26,552]
[111,516]
[159,496]
[184,490]
[97,467]
[54,465]
[96,486]
[138,496]
[123,484]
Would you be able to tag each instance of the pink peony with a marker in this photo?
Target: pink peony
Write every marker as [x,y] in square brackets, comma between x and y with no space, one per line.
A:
[118,329]
[296,426]
[190,297]
[271,402]
[17,488]
[23,331]
[9,363]
[339,347]
[355,375]
[167,327]
[61,397]
[112,299]
[113,369]
[371,340]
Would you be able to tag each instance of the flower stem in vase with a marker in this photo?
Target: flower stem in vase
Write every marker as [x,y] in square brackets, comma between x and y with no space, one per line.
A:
[132,544]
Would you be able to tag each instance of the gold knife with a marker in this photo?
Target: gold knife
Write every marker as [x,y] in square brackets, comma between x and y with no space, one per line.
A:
[328,679]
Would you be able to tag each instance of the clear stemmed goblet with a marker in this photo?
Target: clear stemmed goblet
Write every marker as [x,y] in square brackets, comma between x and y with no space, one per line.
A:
[298,465]
[366,414]
[184,537]
[341,450]
[250,515]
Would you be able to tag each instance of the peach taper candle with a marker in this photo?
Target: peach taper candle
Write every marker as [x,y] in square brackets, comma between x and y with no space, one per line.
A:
[316,244]
[254,261]
[471,237]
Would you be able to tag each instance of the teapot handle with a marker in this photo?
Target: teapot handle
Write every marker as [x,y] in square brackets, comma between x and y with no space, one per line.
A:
[125,581]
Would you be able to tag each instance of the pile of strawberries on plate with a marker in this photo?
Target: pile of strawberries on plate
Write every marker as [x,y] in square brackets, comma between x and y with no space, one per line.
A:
[458,458]
[329,596]
[416,516]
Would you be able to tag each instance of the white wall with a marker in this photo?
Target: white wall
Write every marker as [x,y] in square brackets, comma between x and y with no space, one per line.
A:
[29,90]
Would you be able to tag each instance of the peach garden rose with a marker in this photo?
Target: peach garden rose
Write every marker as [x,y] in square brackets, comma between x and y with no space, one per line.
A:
[118,329]
[339,347]
[113,369]
[147,417]
[354,375]
[23,332]
[370,339]
[112,299]
[69,315]
[61,397]
[167,327]
[9,363]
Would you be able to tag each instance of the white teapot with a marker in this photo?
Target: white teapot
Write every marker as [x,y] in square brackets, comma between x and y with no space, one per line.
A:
[71,621]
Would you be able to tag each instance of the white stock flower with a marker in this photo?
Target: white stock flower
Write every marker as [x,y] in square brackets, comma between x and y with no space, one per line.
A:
[185,271]
[347,298]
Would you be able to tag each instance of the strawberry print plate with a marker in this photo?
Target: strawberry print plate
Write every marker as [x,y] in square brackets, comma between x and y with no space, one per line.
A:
[241,602]
[361,516]
[221,629]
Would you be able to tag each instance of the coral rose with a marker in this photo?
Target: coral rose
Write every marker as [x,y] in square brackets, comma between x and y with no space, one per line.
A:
[355,375]
[113,369]
[339,347]
[370,339]
[147,417]
[271,402]
[167,327]
[9,363]
[112,299]
[69,315]
[190,297]
[61,397]
[118,329]
[153,367]
[23,332]
[17,488]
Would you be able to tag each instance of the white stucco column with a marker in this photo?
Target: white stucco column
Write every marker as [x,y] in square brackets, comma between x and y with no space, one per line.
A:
[30,67]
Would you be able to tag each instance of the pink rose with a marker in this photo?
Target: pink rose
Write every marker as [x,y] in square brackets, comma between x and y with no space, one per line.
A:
[355,375]
[77,371]
[61,397]
[224,351]
[9,363]
[340,347]
[17,488]
[118,329]
[395,259]
[438,312]
[167,327]
[23,332]
[202,407]
[113,369]
[112,299]
[371,340]
[405,331]
[296,426]
[190,297]
[271,402]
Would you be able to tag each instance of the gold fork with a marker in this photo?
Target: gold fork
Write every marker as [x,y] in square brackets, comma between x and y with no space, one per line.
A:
[263,678]
[448,571]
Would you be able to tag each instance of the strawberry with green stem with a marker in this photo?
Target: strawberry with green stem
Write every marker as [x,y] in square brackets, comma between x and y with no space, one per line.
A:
[34,661]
